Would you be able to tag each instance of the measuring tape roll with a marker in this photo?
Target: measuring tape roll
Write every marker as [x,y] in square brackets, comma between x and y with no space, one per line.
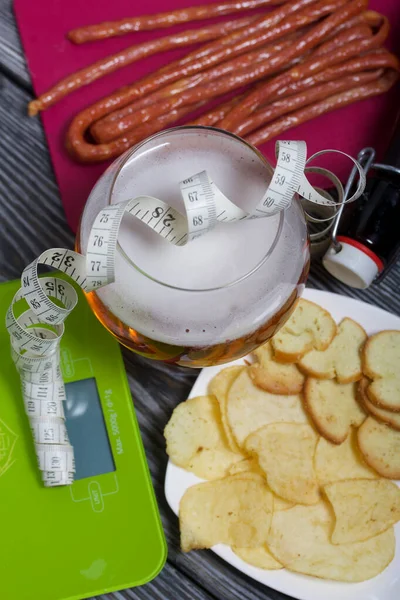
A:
[36,333]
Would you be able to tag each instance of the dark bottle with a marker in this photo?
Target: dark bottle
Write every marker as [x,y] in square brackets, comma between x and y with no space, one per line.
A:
[369,228]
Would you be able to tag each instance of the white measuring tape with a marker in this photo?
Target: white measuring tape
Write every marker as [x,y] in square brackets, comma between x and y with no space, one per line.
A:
[36,333]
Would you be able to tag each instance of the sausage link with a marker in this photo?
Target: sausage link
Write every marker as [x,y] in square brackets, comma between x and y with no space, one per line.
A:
[211,118]
[305,69]
[296,66]
[357,32]
[161,20]
[371,17]
[97,153]
[367,17]
[102,152]
[227,47]
[81,149]
[353,71]
[76,142]
[111,126]
[356,68]
[128,56]
[240,28]
[324,106]
[375,59]
[287,105]
[278,23]
[182,68]
[217,52]
[256,72]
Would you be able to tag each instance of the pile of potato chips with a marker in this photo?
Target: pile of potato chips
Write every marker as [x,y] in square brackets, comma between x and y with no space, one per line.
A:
[298,449]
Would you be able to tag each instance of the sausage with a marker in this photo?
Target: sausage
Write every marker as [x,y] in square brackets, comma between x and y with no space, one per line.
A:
[113,149]
[309,96]
[372,60]
[127,56]
[76,134]
[115,124]
[255,72]
[305,69]
[324,106]
[162,20]
[343,76]
[357,32]
[276,28]
[211,118]
[199,59]
[298,63]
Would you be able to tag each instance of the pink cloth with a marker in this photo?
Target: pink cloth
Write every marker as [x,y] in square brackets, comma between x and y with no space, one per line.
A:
[50,56]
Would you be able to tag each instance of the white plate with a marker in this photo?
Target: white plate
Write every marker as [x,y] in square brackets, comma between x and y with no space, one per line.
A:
[385,586]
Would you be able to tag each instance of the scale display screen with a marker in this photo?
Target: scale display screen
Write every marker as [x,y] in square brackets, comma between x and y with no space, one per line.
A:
[87,430]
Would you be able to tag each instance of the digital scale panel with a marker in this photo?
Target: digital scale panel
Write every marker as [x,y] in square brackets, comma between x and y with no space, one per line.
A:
[102,533]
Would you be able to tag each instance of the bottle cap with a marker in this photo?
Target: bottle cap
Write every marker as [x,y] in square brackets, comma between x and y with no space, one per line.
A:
[354,264]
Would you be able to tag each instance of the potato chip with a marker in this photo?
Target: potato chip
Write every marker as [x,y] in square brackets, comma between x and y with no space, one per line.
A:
[219,387]
[333,407]
[281,504]
[247,465]
[381,363]
[196,441]
[363,508]
[275,377]
[310,326]
[249,408]
[255,469]
[342,357]
[299,538]
[258,557]
[235,511]
[380,414]
[285,452]
[380,447]
[333,463]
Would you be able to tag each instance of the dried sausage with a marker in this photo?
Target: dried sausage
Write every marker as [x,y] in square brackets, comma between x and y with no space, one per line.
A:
[126,57]
[233,38]
[111,126]
[305,69]
[161,20]
[302,59]
[318,92]
[254,72]
[324,106]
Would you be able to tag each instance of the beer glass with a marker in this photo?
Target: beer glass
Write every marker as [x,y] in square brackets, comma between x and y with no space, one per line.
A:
[218,297]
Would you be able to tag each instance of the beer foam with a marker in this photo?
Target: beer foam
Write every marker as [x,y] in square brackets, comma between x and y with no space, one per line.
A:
[216,260]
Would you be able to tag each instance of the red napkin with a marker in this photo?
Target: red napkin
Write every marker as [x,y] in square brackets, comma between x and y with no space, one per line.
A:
[50,56]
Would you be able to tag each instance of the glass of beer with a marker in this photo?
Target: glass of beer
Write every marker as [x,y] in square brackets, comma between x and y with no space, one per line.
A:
[218,297]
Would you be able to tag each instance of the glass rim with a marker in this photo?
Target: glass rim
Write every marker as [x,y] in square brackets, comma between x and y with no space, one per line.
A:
[162,133]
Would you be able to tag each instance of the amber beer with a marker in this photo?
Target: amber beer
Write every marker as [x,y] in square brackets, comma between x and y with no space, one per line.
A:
[221,295]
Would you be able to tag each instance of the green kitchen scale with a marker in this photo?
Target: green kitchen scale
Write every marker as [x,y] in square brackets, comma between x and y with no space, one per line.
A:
[102,533]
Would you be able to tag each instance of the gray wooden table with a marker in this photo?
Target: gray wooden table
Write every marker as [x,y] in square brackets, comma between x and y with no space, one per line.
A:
[32,220]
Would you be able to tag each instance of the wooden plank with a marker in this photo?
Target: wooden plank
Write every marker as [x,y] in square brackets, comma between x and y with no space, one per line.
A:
[32,216]
[12,60]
